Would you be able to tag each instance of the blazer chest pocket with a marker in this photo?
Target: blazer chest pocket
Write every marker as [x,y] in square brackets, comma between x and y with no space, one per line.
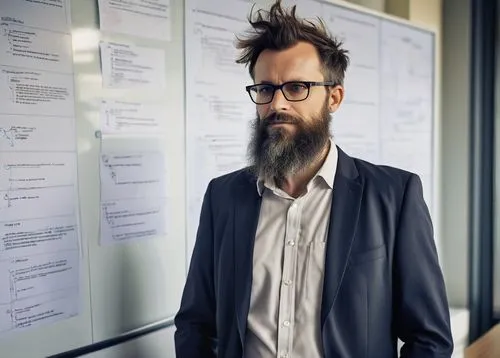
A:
[360,258]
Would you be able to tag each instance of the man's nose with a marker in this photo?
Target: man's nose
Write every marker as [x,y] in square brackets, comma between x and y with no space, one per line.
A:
[279,102]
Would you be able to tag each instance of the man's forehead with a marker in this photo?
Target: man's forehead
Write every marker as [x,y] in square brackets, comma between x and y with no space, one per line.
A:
[299,59]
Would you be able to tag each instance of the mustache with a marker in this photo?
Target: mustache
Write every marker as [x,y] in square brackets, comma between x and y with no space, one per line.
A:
[276,118]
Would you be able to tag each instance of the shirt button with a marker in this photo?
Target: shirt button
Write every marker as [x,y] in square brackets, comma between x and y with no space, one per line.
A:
[288,282]
[286,323]
[291,243]
[284,354]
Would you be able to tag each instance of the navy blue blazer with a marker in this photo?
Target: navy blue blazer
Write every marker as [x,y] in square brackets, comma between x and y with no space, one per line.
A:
[382,277]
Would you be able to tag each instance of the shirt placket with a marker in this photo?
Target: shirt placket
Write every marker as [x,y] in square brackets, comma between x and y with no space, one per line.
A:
[287,290]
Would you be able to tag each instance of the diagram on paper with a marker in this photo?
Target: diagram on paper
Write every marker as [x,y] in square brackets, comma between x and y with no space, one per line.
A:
[16,134]
[133,219]
[36,133]
[36,184]
[133,196]
[132,175]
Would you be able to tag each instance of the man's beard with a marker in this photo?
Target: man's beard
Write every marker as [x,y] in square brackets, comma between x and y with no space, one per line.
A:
[276,153]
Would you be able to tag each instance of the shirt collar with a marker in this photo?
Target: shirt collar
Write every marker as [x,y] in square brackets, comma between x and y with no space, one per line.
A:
[326,172]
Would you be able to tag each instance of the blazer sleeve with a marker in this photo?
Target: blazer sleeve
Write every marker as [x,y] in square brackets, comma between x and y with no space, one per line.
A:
[421,313]
[195,334]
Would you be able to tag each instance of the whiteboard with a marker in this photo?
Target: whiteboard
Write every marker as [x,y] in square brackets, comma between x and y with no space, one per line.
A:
[134,283]
[387,116]
[205,116]
[123,286]
[44,285]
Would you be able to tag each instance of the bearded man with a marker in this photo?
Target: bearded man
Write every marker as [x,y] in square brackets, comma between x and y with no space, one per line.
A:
[308,252]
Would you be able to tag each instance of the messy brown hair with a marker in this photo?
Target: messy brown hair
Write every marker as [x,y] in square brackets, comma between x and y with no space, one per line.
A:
[280,29]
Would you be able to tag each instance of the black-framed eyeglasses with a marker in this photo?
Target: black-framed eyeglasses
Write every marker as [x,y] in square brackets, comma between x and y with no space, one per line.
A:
[294,91]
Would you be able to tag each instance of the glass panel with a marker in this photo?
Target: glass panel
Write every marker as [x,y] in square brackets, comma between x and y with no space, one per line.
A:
[496,206]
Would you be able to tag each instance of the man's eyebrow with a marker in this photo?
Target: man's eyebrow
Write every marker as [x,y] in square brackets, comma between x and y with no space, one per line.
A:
[292,80]
[265,83]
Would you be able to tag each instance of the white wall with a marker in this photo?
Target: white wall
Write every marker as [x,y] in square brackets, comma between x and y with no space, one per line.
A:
[455,148]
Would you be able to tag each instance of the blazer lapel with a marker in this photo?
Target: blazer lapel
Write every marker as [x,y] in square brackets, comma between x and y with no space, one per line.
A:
[346,201]
[246,217]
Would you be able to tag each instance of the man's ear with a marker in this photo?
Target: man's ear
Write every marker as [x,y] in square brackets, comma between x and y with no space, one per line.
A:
[335,98]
